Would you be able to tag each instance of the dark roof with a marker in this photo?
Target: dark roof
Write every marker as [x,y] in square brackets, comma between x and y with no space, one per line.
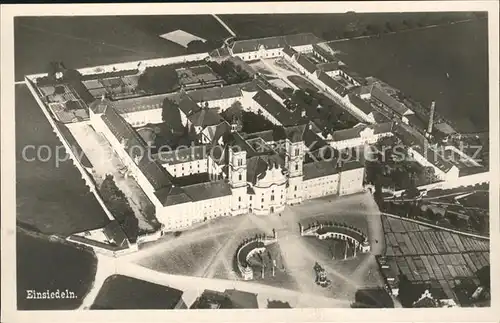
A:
[350,165]
[114,232]
[216,93]
[215,132]
[320,169]
[179,156]
[240,299]
[205,117]
[282,114]
[143,103]
[328,67]
[382,127]
[303,61]
[258,165]
[289,51]
[422,146]
[326,54]
[188,105]
[360,103]
[379,117]
[205,191]
[354,75]
[333,84]
[313,141]
[212,300]
[136,148]
[250,45]
[388,100]
[122,292]
[99,106]
[295,133]
[417,121]
[172,195]
[347,134]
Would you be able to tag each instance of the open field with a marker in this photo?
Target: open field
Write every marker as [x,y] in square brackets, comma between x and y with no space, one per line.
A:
[423,254]
[327,26]
[40,185]
[42,265]
[83,41]
[208,250]
[416,63]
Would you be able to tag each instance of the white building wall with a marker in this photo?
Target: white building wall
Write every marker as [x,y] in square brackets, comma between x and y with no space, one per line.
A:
[424,162]
[351,181]
[188,168]
[321,186]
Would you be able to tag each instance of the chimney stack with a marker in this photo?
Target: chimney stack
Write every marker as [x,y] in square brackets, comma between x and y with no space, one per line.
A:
[431,117]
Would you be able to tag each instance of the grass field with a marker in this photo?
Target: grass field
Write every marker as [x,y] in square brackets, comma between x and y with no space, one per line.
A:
[327,26]
[416,62]
[51,199]
[43,265]
[81,41]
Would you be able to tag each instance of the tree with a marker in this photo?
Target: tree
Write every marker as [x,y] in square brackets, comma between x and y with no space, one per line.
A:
[130,226]
[159,79]
[170,113]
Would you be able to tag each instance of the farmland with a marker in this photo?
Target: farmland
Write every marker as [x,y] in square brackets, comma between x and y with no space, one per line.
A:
[84,41]
[423,254]
[417,63]
[332,25]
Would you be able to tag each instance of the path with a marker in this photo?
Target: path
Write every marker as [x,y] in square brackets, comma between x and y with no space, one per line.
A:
[105,161]
[199,284]
[224,25]
[105,267]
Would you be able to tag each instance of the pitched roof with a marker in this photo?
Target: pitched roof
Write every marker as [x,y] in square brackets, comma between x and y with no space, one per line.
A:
[188,105]
[328,67]
[99,106]
[205,118]
[143,103]
[324,52]
[289,51]
[114,232]
[135,146]
[356,76]
[250,45]
[382,127]
[215,132]
[303,61]
[123,292]
[347,134]
[379,117]
[179,156]
[389,101]
[417,121]
[360,103]
[258,165]
[295,133]
[240,299]
[172,195]
[208,190]
[333,84]
[320,169]
[216,93]
[282,114]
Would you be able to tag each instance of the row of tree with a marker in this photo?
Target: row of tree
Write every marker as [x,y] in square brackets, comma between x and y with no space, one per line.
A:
[230,72]
[117,203]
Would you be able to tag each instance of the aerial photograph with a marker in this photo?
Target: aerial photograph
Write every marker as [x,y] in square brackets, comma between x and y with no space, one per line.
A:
[252,161]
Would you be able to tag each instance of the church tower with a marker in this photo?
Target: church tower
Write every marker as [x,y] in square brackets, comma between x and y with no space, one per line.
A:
[237,174]
[295,165]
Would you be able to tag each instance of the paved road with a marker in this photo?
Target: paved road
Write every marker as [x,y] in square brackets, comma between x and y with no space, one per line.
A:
[224,25]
